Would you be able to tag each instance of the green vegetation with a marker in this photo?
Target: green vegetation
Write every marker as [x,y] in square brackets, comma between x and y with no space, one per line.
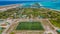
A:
[14,13]
[12,33]
[58,31]
[29,26]
[1,30]
[55,18]
[9,13]
[55,23]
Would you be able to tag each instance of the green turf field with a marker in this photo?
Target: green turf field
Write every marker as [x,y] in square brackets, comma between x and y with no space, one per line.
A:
[29,26]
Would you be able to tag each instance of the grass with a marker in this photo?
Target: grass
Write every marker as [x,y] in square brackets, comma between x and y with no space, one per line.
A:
[56,24]
[58,33]
[29,26]
[12,33]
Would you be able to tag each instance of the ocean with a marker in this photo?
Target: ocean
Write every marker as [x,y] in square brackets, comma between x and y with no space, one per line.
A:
[51,5]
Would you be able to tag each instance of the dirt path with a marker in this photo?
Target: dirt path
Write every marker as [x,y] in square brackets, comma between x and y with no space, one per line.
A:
[45,23]
[47,26]
[13,26]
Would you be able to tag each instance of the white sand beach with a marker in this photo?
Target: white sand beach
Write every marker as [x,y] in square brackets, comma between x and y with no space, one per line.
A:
[6,7]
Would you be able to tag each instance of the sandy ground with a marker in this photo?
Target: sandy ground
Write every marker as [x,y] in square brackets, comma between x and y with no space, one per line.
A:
[2,8]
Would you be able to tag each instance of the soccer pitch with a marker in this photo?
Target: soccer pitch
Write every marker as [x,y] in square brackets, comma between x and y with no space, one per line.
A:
[29,26]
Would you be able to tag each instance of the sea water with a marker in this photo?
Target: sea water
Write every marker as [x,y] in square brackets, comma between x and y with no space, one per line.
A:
[51,4]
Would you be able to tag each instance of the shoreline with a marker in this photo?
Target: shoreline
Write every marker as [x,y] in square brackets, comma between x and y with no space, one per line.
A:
[16,5]
[6,7]
[51,9]
[55,10]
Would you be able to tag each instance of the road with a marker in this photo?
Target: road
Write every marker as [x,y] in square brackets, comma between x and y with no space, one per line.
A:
[45,22]
[11,27]
[47,26]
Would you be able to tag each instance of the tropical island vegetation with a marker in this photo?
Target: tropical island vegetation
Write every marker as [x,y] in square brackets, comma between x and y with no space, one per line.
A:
[14,13]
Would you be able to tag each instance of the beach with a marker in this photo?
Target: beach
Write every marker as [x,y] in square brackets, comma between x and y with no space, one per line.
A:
[51,9]
[6,7]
